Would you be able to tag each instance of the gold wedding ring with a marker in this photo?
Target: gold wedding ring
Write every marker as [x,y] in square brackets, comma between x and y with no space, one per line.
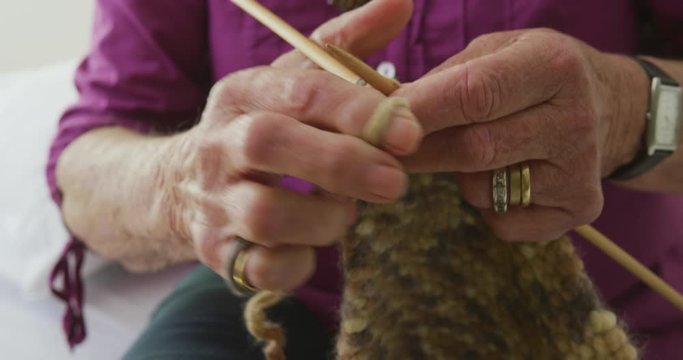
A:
[515,185]
[511,186]
[237,280]
[526,184]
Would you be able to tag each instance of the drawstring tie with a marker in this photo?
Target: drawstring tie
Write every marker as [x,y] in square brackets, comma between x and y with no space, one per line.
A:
[66,283]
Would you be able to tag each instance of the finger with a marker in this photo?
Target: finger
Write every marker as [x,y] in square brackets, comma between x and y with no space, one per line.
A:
[549,186]
[515,78]
[535,223]
[284,268]
[340,164]
[274,217]
[536,134]
[319,99]
[281,269]
[361,31]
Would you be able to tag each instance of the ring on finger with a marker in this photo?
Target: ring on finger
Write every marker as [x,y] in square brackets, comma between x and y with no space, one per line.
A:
[525,175]
[237,281]
[515,173]
[499,190]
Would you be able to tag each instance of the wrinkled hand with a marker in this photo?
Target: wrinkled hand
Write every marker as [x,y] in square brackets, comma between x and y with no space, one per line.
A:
[533,96]
[291,120]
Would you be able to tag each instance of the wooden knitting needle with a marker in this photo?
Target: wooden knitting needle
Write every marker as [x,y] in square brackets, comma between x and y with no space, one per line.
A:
[356,71]
[631,264]
[385,85]
[300,42]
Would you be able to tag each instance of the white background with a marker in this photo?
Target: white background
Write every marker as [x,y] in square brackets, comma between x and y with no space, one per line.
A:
[40,41]
[35,33]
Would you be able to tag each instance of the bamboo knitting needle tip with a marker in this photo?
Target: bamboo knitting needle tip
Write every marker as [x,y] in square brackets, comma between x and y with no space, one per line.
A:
[385,85]
[631,264]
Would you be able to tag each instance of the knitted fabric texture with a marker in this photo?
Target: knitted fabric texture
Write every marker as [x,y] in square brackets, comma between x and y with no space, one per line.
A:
[426,279]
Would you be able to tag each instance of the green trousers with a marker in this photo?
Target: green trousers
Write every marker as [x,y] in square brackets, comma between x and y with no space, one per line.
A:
[201,319]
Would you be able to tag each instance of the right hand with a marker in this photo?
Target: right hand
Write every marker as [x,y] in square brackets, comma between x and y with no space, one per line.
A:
[290,120]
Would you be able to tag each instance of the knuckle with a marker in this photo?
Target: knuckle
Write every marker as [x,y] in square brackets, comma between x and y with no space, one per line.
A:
[232,87]
[497,40]
[259,133]
[567,58]
[229,86]
[481,40]
[302,91]
[478,93]
[221,88]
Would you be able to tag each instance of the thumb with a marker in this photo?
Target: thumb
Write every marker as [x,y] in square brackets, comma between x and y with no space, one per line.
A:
[361,31]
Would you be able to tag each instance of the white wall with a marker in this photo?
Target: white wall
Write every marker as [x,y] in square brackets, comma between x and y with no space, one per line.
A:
[41,32]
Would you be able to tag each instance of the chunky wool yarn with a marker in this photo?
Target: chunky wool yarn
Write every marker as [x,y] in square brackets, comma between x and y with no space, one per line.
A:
[426,279]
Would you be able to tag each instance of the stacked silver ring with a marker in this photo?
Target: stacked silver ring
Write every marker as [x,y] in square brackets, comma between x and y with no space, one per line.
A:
[499,190]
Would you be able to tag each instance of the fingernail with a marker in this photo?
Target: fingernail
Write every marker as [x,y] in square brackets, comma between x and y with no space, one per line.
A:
[387,183]
[403,132]
[393,126]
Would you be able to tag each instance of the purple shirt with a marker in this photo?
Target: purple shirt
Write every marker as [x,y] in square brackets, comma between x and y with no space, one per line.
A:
[153,62]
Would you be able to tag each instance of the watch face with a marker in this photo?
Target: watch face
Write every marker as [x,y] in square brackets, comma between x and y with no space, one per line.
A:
[667,117]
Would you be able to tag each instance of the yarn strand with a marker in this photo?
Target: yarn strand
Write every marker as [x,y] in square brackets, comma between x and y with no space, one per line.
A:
[256,319]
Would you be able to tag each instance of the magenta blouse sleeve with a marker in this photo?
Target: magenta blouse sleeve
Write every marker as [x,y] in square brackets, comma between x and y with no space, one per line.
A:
[146,70]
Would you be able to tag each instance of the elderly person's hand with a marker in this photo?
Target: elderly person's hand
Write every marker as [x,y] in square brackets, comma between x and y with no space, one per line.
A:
[534,96]
[265,123]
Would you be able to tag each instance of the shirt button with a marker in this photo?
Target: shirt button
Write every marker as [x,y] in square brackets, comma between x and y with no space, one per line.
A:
[387,69]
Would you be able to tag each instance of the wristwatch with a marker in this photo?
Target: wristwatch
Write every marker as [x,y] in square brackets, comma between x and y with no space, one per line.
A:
[663,123]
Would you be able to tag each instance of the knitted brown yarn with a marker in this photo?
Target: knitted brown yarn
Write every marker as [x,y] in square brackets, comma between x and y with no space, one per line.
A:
[426,279]
[261,328]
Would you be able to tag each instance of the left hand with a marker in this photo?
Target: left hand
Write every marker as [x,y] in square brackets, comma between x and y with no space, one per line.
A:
[535,96]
